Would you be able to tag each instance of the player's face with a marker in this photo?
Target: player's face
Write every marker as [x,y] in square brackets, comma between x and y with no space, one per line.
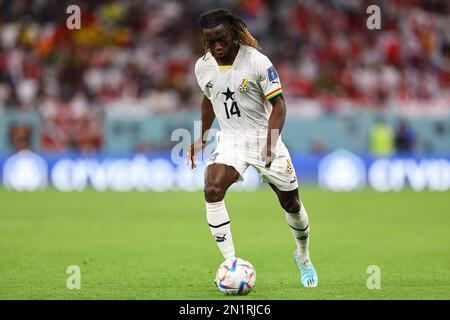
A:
[219,39]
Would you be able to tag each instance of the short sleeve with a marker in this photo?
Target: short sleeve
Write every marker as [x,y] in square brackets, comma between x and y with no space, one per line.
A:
[268,78]
[200,75]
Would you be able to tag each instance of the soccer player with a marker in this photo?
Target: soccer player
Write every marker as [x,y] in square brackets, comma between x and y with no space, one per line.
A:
[243,91]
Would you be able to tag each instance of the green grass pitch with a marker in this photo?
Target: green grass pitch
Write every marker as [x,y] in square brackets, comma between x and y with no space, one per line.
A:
[158,245]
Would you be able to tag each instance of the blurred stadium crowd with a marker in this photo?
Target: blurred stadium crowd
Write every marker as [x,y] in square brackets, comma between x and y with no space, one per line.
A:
[137,57]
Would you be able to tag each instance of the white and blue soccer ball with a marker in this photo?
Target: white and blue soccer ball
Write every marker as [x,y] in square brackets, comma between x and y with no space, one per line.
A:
[235,276]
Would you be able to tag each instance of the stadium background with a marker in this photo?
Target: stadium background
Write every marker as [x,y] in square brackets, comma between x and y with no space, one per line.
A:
[98,109]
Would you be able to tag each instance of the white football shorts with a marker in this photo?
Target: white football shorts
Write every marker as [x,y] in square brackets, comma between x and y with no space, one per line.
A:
[244,151]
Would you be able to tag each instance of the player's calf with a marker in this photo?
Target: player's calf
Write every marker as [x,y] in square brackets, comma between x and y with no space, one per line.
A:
[291,205]
[214,193]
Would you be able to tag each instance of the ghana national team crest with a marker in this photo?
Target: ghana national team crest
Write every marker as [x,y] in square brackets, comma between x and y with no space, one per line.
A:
[243,87]
[289,167]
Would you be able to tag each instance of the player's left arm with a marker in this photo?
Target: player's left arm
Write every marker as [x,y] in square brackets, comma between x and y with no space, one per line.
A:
[270,84]
[276,123]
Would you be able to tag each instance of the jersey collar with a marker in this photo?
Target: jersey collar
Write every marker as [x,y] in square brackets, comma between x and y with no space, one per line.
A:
[230,66]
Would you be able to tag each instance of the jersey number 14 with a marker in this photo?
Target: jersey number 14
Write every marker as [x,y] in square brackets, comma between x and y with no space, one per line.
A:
[233,110]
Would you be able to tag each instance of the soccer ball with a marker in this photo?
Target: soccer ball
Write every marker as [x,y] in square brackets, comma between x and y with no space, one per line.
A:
[235,276]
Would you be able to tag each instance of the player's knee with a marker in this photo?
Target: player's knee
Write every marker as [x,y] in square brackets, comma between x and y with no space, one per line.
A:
[291,205]
[214,193]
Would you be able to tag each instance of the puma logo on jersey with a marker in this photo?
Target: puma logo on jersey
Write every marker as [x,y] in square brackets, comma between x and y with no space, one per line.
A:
[213,157]
[209,84]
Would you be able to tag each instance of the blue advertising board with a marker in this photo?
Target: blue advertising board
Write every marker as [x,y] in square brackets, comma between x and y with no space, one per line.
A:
[340,170]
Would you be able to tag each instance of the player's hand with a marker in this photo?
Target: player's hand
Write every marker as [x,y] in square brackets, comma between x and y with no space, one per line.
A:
[193,150]
[267,154]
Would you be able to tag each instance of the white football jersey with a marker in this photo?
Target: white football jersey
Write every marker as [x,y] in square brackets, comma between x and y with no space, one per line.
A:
[240,92]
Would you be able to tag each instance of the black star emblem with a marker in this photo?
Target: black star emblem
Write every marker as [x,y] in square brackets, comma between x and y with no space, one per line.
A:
[228,94]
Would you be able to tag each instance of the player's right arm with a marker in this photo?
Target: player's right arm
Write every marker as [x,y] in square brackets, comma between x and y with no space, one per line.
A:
[207,119]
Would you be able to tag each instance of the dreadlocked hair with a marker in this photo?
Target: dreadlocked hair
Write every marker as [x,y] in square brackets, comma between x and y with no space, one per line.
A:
[241,35]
